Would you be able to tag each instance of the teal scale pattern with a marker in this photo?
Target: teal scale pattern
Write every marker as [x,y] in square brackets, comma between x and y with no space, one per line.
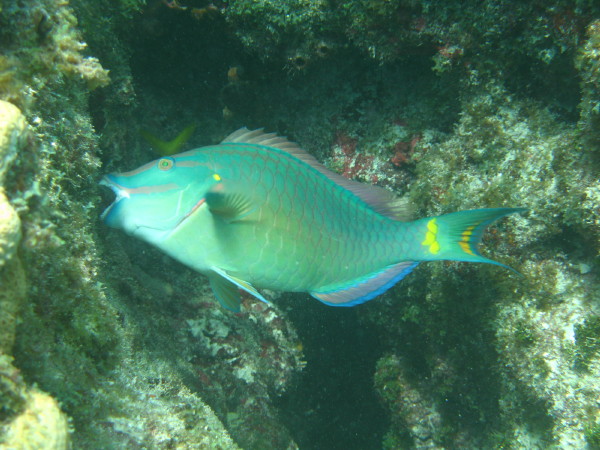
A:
[310,231]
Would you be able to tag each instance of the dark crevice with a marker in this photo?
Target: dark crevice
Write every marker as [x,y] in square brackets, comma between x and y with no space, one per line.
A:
[334,404]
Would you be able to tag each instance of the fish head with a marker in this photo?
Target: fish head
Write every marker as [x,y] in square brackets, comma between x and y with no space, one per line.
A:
[153,200]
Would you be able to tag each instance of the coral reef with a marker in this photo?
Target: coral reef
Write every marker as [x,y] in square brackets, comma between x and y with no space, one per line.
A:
[547,361]
[12,132]
[382,162]
[587,63]
[419,415]
[12,127]
[504,151]
[11,135]
[243,366]
[10,230]
[273,26]
[29,418]
[11,299]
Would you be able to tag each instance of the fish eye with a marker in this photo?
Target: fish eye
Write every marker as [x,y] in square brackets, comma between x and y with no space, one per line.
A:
[165,163]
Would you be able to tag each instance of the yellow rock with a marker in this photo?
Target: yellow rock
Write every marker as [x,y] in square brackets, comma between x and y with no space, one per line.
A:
[10,229]
[12,135]
[41,425]
[12,277]
[12,127]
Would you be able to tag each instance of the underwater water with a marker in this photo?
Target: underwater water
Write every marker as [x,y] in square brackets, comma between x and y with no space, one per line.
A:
[106,342]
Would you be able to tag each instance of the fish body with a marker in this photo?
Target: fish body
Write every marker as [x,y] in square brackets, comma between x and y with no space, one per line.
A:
[257,211]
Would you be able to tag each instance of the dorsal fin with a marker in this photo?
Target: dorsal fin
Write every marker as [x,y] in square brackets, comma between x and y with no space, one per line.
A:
[379,199]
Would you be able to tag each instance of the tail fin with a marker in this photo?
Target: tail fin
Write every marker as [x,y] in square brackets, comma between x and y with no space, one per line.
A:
[455,236]
[168,148]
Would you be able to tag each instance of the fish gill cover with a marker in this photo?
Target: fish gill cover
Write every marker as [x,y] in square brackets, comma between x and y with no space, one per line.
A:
[107,343]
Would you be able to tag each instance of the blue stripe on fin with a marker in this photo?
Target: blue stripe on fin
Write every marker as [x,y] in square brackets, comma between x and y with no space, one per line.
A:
[366,289]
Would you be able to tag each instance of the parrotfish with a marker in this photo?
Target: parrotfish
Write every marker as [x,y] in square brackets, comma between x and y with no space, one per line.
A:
[257,211]
[167,148]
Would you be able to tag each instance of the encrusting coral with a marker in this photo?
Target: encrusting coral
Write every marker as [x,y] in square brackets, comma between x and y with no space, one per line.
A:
[41,424]
[12,294]
[543,386]
[588,65]
[29,418]
[12,126]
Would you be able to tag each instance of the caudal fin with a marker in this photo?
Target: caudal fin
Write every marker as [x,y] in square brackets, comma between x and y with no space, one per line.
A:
[168,148]
[455,236]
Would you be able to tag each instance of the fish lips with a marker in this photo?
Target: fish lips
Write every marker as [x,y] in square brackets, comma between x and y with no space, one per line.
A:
[115,215]
[118,213]
[110,215]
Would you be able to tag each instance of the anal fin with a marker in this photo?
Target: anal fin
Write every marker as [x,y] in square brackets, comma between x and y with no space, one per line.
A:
[366,288]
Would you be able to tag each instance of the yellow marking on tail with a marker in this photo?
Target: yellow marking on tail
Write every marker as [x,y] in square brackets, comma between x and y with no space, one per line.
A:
[431,237]
[465,238]
[466,248]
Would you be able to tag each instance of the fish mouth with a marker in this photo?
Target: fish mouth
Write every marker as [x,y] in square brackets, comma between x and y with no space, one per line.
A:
[119,195]
[113,213]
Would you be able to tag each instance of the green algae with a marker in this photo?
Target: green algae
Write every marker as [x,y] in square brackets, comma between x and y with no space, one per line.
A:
[587,63]
[592,436]
[587,342]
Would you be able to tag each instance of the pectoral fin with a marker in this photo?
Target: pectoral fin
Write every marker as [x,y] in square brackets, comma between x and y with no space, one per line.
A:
[226,289]
[231,207]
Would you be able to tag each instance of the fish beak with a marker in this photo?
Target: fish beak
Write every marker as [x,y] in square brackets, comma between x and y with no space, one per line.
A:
[119,195]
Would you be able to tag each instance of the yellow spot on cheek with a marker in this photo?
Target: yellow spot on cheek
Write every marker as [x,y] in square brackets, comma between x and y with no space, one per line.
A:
[431,237]
[217,177]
